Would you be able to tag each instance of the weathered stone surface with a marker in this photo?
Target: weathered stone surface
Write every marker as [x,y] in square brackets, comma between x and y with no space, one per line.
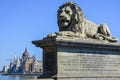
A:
[71,18]
[78,57]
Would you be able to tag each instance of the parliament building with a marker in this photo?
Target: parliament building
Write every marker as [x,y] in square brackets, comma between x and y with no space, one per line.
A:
[26,64]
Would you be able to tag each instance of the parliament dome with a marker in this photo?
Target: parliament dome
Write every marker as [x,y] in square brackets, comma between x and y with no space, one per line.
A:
[25,54]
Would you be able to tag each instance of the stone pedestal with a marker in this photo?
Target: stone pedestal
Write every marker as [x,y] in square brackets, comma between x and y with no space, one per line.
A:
[79,59]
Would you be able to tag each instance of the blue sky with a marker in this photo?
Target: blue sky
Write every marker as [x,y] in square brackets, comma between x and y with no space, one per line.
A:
[22,21]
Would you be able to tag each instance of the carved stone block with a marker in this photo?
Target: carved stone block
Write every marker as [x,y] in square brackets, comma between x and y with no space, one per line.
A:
[79,58]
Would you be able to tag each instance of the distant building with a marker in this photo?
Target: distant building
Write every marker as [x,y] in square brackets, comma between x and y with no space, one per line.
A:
[5,68]
[26,64]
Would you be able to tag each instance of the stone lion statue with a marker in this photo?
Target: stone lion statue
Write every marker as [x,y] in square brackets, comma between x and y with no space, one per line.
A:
[72,22]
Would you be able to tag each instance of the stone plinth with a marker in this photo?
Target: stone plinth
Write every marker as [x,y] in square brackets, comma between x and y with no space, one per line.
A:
[75,59]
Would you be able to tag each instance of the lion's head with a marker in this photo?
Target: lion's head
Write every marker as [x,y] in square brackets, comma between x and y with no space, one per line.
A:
[69,14]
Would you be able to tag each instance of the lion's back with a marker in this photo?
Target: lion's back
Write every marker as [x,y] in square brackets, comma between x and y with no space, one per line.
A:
[90,28]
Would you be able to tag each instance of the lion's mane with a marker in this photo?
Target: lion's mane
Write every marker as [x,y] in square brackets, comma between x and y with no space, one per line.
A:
[77,17]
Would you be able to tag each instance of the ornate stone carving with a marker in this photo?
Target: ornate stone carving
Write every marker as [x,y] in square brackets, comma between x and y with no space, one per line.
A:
[72,23]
